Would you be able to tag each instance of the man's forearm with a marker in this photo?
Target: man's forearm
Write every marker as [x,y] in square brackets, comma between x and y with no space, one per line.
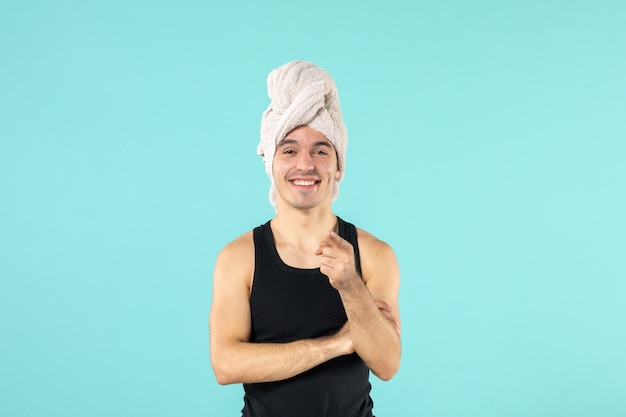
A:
[375,338]
[243,362]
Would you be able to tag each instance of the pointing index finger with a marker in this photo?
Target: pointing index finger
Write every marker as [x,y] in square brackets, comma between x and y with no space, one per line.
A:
[338,241]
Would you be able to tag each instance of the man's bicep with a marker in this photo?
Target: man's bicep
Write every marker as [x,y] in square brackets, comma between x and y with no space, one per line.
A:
[230,309]
[381,274]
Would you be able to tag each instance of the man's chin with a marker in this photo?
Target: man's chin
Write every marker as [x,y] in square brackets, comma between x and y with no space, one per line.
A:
[303,204]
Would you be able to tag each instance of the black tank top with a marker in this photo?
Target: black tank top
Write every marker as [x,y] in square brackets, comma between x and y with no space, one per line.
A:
[289,304]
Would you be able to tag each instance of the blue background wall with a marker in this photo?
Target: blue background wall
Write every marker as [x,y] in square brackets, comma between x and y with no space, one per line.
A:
[487,145]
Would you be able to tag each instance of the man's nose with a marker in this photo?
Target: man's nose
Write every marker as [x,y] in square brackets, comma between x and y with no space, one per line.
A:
[305,161]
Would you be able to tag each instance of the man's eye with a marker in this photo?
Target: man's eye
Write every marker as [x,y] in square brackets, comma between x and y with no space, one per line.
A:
[320,152]
[288,151]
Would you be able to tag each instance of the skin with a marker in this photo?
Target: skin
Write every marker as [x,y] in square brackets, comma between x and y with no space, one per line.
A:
[304,170]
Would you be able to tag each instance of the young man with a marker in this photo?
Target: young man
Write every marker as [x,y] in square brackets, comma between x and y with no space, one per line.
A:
[305,305]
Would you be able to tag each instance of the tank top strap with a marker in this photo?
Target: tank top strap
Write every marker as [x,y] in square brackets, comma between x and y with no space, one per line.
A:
[261,252]
[348,232]
[257,236]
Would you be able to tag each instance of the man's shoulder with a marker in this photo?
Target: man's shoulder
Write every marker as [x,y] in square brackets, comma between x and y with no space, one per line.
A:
[369,242]
[242,245]
[239,249]
[378,259]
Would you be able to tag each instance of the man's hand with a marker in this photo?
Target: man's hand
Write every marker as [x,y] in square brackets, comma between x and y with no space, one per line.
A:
[344,340]
[337,261]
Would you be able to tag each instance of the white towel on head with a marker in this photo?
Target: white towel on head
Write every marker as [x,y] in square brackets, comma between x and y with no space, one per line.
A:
[301,94]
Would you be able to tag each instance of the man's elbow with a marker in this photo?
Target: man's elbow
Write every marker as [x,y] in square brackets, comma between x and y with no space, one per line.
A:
[223,371]
[389,369]
[386,373]
[223,379]
[223,375]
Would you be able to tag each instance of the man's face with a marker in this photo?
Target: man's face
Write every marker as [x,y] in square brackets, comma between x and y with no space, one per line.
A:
[305,168]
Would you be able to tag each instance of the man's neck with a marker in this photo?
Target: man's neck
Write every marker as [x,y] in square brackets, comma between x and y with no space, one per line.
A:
[301,228]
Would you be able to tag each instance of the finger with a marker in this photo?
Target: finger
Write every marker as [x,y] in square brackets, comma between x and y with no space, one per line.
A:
[331,252]
[387,311]
[338,241]
[398,328]
[321,248]
[329,266]
[383,306]
[395,321]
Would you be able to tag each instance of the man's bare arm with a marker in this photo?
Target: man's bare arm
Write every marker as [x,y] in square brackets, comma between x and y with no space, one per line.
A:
[234,358]
[374,330]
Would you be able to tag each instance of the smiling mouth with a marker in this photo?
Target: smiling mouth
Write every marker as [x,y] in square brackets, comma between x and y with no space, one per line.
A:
[304,183]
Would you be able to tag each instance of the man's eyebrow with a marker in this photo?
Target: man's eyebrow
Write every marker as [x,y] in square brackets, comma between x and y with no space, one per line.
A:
[323,143]
[288,141]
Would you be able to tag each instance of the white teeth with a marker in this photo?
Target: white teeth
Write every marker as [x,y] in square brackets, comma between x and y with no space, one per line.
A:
[304,183]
